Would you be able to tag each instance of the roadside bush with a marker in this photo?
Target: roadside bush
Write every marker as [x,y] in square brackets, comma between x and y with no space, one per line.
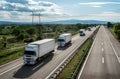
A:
[118,34]
[11,40]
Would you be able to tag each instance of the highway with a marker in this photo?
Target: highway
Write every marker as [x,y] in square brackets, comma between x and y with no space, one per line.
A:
[103,60]
[16,69]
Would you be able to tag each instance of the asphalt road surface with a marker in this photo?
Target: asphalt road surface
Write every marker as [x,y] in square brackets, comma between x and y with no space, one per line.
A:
[16,69]
[103,61]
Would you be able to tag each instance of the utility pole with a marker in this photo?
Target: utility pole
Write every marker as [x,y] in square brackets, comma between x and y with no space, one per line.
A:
[32,17]
[40,34]
[39,18]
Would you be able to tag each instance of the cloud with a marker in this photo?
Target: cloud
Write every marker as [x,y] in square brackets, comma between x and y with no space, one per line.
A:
[17,1]
[16,8]
[4,14]
[99,4]
[107,14]
[27,5]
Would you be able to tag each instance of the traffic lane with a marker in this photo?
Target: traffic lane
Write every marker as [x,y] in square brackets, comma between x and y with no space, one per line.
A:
[52,64]
[9,65]
[42,77]
[20,60]
[40,71]
[114,41]
[93,67]
[18,71]
[112,70]
[109,67]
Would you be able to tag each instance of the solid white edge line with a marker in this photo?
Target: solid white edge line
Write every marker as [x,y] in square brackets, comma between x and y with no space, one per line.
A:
[86,60]
[10,62]
[10,69]
[112,46]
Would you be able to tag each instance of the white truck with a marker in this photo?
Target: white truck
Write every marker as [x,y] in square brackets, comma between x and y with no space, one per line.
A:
[38,50]
[64,39]
[89,28]
[82,32]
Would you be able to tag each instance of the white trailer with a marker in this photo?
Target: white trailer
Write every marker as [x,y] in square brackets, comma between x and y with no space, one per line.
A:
[64,39]
[37,50]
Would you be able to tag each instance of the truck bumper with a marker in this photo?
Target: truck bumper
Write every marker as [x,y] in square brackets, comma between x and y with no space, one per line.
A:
[29,62]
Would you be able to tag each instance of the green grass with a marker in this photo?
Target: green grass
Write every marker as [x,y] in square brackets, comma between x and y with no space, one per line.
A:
[8,52]
[70,68]
[10,55]
[113,33]
[13,45]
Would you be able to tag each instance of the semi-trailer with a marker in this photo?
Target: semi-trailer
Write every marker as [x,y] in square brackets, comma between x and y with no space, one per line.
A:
[64,39]
[38,50]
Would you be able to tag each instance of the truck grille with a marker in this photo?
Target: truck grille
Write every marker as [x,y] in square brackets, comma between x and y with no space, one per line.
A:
[28,59]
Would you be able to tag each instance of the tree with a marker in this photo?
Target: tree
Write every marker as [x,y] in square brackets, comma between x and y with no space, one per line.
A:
[21,36]
[116,27]
[31,31]
[118,34]
[109,24]
[16,31]
[5,42]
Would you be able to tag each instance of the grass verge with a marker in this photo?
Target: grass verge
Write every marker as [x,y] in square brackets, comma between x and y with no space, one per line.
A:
[13,54]
[113,33]
[72,65]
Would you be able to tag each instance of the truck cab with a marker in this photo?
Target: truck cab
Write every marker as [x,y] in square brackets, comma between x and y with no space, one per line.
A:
[61,41]
[30,54]
[82,32]
[64,39]
[89,28]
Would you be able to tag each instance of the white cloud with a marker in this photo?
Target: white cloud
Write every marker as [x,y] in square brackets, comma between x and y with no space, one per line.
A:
[99,4]
[107,14]
[17,7]
[6,15]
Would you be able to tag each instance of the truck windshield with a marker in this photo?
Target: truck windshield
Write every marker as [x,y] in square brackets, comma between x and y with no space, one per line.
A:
[81,31]
[61,40]
[30,53]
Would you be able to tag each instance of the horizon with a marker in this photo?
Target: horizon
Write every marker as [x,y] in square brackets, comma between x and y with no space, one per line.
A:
[52,10]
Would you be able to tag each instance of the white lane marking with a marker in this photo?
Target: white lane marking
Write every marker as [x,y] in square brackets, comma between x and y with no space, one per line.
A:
[38,66]
[10,62]
[113,47]
[86,60]
[10,69]
[103,60]
[102,49]
[102,44]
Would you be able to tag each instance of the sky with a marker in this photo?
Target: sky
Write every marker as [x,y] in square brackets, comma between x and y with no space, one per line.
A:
[54,10]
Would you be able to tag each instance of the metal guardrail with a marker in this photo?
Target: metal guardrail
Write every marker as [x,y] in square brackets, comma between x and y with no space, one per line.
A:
[62,65]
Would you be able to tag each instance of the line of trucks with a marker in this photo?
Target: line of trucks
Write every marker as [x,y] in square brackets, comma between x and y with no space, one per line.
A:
[38,50]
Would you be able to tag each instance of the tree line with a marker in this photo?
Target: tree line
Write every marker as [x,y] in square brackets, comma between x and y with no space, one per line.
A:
[115,27]
[29,33]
